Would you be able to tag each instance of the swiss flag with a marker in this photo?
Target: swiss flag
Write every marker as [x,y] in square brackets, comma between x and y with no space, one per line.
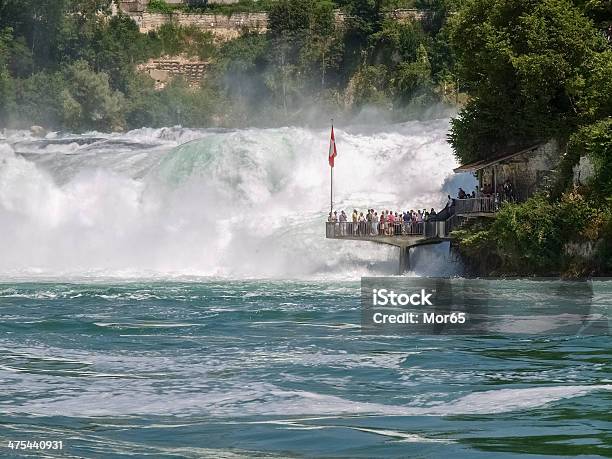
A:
[332,149]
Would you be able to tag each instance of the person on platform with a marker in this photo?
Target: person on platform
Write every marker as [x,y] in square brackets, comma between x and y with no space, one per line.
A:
[342,219]
[335,221]
[508,190]
[374,223]
[390,221]
[331,228]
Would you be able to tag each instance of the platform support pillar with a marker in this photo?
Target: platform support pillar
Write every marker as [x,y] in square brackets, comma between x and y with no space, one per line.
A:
[404,260]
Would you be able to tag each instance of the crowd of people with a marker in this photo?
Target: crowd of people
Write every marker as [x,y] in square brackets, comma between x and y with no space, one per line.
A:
[387,223]
[398,223]
[504,192]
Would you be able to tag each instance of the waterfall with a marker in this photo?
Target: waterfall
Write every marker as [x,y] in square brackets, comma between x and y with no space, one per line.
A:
[244,203]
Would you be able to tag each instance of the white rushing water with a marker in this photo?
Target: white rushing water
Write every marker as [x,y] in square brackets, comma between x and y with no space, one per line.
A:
[179,202]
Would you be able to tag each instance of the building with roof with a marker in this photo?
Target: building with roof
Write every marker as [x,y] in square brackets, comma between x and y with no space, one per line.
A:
[527,170]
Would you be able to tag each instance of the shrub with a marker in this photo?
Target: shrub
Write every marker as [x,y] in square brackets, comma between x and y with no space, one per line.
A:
[171,39]
[160,6]
[527,236]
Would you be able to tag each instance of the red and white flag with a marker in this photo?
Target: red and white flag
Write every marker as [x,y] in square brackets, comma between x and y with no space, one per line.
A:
[332,149]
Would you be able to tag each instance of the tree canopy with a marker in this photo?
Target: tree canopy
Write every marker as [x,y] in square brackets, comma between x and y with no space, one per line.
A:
[532,70]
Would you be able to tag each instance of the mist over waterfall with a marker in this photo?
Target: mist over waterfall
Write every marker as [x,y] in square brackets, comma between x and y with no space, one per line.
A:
[180,202]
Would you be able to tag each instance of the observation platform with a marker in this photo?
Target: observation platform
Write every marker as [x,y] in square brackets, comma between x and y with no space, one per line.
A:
[406,235]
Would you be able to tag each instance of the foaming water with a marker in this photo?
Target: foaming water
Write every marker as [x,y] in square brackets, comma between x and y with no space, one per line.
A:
[178,202]
[434,260]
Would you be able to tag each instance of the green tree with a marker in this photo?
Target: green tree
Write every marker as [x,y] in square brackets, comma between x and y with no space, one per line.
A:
[438,13]
[185,106]
[84,23]
[289,17]
[533,70]
[240,71]
[89,102]
[369,87]
[38,23]
[117,46]
[598,10]
[396,42]
[322,49]
[39,100]
[303,47]
[142,103]
[413,79]
[6,81]
[15,54]
[363,18]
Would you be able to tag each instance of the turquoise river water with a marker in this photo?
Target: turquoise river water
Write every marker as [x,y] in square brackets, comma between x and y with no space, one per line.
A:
[281,369]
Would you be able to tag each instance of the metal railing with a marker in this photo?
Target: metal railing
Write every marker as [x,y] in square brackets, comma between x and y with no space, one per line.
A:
[430,229]
[435,229]
[475,205]
[336,230]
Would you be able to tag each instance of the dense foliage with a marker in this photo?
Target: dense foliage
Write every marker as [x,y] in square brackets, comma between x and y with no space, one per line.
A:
[533,237]
[533,70]
[71,64]
[595,141]
[536,70]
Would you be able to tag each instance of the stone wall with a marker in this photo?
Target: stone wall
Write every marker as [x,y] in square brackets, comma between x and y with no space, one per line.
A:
[225,27]
[133,6]
[221,26]
[583,171]
[583,249]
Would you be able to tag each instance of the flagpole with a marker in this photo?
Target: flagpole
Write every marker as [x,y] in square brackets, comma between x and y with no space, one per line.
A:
[331,182]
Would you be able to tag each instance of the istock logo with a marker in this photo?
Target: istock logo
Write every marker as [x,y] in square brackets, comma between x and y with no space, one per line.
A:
[384,297]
